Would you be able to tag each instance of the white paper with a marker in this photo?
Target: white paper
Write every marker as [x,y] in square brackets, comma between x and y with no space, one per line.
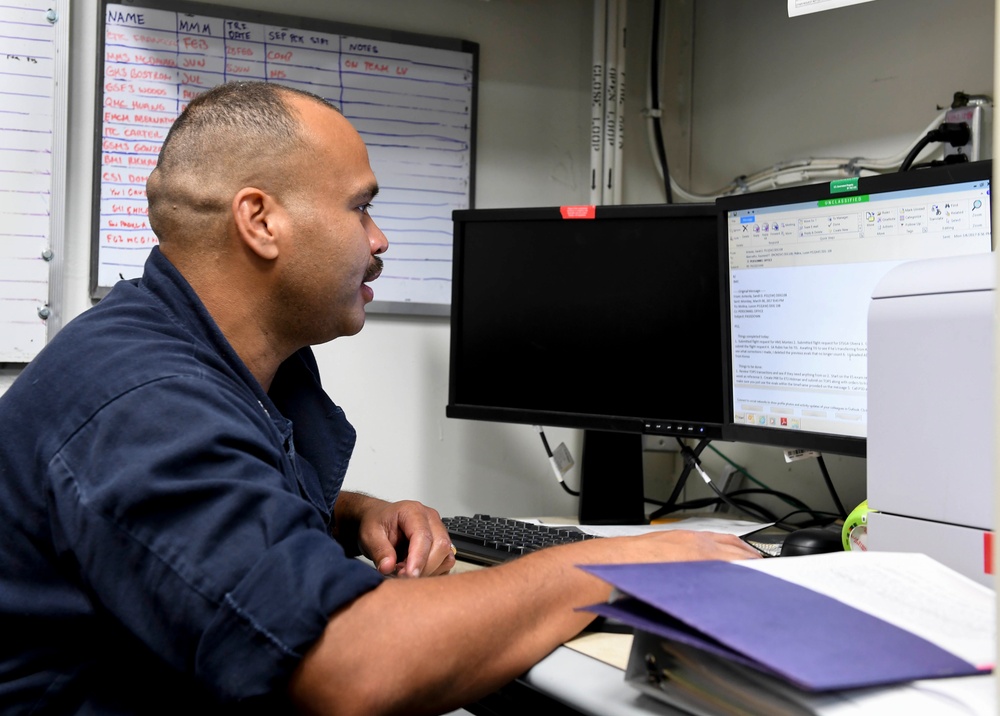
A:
[804,7]
[964,696]
[697,524]
[911,590]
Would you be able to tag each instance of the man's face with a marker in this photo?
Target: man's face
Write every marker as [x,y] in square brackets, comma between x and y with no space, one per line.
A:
[333,241]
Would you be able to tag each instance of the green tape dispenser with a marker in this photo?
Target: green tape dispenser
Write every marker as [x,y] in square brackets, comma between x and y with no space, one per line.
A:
[855,531]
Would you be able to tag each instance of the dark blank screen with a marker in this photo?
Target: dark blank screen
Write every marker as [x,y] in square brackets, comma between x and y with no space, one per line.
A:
[617,316]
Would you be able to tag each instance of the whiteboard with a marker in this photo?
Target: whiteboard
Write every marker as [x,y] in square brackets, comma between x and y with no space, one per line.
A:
[34,36]
[411,97]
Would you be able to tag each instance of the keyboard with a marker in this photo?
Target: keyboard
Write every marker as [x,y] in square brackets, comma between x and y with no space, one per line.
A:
[494,540]
[766,547]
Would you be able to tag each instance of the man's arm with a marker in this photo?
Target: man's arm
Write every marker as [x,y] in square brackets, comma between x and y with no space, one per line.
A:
[430,645]
[404,538]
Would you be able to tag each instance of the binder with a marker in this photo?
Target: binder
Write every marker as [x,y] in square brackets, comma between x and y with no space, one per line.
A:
[794,629]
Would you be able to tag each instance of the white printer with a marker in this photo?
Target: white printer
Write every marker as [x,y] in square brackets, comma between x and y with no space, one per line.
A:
[931,427]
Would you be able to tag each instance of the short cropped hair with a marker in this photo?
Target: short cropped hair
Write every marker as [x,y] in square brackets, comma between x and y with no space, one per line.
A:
[234,132]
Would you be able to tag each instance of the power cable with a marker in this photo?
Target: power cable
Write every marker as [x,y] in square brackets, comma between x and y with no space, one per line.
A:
[687,452]
[957,134]
[556,469]
[654,102]
[830,487]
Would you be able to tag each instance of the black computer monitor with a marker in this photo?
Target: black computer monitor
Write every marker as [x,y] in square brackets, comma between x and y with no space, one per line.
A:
[799,267]
[601,319]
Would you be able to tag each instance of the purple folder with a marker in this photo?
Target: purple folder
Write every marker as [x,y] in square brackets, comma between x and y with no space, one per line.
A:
[806,638]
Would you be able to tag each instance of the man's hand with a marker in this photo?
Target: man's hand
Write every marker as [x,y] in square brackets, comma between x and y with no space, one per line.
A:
[404,538]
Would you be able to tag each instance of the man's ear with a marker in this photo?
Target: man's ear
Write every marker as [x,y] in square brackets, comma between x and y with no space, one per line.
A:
[257,216]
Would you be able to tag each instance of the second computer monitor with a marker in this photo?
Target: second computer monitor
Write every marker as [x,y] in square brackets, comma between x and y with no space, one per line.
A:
[601,319]
[800,265]
[604,319]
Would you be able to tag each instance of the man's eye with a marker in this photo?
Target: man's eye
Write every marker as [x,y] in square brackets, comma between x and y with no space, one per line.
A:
[365,208]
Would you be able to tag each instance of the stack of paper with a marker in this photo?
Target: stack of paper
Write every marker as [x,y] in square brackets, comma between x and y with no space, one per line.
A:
[805,635]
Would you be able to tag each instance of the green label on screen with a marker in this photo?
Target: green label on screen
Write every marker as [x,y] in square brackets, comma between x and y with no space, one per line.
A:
[839,186]
[860,199]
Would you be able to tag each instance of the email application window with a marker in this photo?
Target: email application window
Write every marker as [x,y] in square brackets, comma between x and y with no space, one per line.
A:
[801,278]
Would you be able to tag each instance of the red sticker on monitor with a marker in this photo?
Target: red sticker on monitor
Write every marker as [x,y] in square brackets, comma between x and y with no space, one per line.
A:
[577,212]
[988,552]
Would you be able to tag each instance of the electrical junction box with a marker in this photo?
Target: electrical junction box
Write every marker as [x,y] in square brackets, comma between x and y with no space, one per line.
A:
[978,114]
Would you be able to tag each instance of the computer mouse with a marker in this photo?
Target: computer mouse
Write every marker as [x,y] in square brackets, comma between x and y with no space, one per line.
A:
[812,540]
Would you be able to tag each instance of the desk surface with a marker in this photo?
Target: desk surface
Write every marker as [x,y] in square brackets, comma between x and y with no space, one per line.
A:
[589,684]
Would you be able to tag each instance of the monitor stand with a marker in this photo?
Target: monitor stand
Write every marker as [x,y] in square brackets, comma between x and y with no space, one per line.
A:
[612,491]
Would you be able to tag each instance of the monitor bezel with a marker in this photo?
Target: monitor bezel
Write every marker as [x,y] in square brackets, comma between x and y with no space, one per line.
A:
[916,178]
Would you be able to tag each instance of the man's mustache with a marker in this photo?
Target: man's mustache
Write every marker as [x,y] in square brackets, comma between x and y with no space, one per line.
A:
[374,270]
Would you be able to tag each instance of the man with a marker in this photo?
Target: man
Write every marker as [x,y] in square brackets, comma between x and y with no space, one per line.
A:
[174,531]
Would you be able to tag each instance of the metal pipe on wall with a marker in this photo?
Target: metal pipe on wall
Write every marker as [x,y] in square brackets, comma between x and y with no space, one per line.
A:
[597,95]
[607,101]
[621,32]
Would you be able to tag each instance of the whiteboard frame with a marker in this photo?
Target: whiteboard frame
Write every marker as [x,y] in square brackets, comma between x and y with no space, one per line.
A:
[60,158]
[294,21]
